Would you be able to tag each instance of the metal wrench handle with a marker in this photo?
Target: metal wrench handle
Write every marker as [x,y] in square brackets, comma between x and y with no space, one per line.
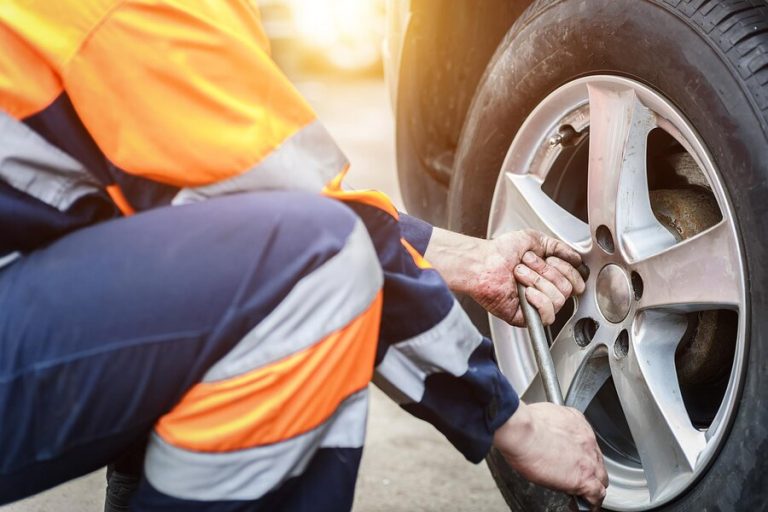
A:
[547,371]
[540,344]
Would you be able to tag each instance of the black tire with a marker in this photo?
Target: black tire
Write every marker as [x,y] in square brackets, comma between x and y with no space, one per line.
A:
[710,58]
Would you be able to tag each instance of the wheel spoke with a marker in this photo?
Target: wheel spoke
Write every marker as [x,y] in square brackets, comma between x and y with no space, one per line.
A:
[588,382]
[528,205]
[649,393]
[697,274]
[579,373]
[618,186]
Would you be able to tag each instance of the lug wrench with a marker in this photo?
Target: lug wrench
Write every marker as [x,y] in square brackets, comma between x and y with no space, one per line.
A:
[547,371]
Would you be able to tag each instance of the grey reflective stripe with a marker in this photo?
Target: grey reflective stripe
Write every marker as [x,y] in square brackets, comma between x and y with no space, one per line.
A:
[320,303]
[249,474]
[306,161]
[32,165]
[9,258]
[445,348]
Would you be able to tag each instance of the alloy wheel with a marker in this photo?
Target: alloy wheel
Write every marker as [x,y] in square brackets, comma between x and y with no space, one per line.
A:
[611,167]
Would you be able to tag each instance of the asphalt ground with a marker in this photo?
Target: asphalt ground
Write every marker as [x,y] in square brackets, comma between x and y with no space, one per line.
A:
[407,465]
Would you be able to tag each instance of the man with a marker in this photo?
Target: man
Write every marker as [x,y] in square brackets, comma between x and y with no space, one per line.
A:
[181,260]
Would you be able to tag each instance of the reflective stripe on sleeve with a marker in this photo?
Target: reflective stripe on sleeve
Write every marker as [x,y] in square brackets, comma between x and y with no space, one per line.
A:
[446,347]
[321,303]
[249,474]
[32,165]
[305,161]
[9,258]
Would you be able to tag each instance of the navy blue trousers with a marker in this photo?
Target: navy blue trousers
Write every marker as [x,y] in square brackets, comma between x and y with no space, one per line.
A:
[103,331]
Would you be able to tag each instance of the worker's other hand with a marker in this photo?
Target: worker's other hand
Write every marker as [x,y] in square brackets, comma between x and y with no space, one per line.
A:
[555,447]
[488,271]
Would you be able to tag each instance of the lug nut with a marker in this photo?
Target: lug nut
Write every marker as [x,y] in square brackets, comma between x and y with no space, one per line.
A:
[637,285]
[605,239]
[621,347]
[584,331]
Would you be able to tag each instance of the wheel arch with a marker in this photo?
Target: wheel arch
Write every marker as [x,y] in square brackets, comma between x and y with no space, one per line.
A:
[444,55]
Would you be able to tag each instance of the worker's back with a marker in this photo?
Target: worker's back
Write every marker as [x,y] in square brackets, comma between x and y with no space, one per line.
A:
[110,106]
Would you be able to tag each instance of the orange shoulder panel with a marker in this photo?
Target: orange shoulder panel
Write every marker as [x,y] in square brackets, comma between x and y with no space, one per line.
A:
[54,29]
[183,92]
[27,83]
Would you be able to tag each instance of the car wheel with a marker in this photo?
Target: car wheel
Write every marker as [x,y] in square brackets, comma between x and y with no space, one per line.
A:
[636,131]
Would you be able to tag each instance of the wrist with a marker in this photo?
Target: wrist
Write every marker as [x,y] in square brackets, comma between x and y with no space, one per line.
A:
[516,432]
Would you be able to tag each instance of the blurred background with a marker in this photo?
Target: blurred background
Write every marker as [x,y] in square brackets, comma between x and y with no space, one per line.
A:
[334,36]
[332,51]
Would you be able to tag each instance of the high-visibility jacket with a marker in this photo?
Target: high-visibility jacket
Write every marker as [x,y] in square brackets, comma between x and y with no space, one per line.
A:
[108,107]
[114,105]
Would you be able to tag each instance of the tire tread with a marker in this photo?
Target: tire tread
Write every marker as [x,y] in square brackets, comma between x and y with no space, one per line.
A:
[739,29]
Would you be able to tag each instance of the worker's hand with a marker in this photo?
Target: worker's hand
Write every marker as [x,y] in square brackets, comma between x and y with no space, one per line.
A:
[488,271]
[555,447]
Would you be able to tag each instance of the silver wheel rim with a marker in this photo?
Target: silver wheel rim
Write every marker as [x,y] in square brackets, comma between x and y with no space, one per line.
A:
[635,341]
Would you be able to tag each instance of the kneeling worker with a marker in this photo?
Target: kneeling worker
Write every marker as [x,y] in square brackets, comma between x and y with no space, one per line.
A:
[182,270]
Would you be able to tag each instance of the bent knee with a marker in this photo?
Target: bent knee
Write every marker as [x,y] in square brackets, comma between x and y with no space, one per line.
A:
[293,221]
[317,229]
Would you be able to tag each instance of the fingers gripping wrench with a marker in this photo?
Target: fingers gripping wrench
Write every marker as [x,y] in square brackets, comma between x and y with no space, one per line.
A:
[547,371]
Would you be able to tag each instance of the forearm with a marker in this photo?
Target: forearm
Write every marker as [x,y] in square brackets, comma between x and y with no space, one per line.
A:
[430,358]
[459,259]
[460,392]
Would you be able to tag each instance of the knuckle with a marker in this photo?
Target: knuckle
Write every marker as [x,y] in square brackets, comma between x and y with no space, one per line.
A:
[556,262]
[573,273]
[534,237]
[536,263]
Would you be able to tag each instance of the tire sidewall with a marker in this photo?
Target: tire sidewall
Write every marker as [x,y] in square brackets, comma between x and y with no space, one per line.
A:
[651,42]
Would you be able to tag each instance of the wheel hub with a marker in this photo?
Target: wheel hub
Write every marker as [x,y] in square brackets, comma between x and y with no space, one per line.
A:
[614,293]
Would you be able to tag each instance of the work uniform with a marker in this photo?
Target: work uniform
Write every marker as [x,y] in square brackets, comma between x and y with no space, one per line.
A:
[179,258]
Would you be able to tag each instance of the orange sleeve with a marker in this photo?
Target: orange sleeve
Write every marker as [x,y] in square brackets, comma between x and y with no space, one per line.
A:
[181,91]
